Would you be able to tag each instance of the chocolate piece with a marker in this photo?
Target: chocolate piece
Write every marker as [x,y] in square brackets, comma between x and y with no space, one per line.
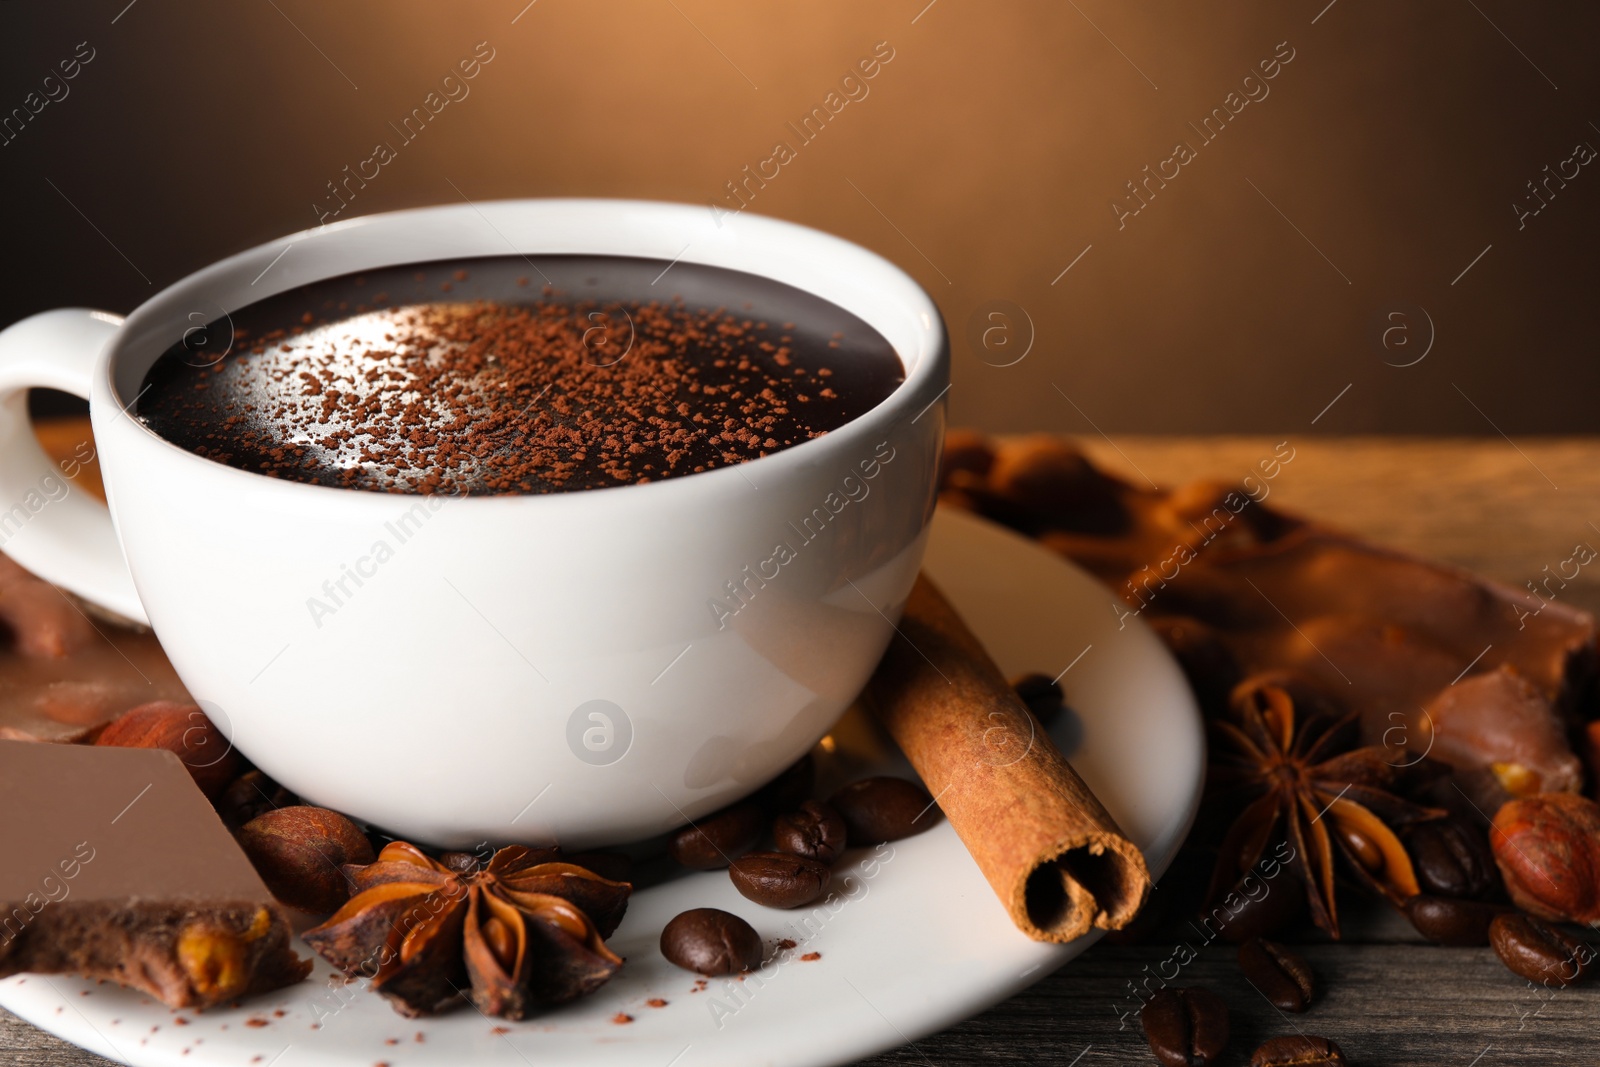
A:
[1496,730]
[60,680]
[1240,588]
[116,867]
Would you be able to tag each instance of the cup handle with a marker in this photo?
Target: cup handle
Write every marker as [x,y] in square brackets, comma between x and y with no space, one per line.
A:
[61,533]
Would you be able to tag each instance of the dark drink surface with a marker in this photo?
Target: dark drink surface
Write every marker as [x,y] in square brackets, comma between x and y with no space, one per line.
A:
[502,375]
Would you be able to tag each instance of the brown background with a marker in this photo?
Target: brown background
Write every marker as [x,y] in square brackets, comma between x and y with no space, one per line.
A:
[1243,298]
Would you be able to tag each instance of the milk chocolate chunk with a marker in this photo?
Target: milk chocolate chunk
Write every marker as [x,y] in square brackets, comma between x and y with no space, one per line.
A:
[116,867]
[1423,651]
[61,676]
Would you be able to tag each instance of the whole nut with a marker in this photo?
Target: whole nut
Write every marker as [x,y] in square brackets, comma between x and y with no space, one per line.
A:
[1185,1027]
[884,809]
[1448,921]
[300,852]
[1299,1050]
[816,831]
[184,730]
[249,795]
[719,838]
[1280,975]
[779,879]
[711,942]
[1540,951]
[1452,859]
[1548,849]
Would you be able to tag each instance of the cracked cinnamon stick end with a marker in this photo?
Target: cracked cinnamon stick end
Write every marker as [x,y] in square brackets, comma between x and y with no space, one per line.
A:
[1048,847]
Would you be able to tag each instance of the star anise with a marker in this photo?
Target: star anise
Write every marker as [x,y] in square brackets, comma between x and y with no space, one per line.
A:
[523,930]
[1299,782]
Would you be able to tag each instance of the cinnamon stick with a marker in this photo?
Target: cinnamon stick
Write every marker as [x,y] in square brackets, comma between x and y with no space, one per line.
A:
[1051,851]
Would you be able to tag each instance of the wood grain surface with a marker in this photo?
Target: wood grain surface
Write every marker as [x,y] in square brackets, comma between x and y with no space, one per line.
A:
[1504,509]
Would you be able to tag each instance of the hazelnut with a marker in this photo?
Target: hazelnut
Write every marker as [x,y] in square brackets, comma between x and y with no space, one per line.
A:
[1548,850]
[300,853]
[184,730]
[249,795]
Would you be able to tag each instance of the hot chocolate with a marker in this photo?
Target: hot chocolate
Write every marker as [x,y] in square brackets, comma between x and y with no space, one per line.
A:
[504,375]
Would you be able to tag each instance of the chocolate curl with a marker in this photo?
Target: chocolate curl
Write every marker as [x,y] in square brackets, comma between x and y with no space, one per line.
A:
[1048,847]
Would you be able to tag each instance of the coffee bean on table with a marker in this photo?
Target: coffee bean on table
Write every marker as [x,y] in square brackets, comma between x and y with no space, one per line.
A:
[1452,859]
[779,879]
[719,838]
[884,809]
[1540,951]
[711,942]
[1299,1050]
[816,831]
[1042,694]
[1185,1027]
[1281,976]
[785,792]
[1461,923]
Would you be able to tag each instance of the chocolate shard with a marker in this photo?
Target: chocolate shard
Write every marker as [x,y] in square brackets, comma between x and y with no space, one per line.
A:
[1422,650]
[116,867]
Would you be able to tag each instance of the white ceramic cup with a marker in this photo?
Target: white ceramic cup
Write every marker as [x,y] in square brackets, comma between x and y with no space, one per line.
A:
[587,667]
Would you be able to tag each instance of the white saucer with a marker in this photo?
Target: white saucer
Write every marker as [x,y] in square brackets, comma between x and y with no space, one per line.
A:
[911,941]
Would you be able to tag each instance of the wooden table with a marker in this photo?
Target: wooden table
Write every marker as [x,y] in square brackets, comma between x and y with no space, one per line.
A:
[1504,510]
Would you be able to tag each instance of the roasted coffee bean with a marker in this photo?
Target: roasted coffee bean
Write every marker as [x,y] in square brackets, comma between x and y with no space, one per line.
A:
[1043,696]
[1298,1051]
[1452,859]
[1185,1027]
[1540,951]
[779,879]
[789,789]
[1281,976]
[711,942]
[884,809]
[1446,921]
[816,832]
[719,838]
[1241,915]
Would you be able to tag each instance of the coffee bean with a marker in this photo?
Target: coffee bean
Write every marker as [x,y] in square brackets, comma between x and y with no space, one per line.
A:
[1540,951]
[1298,1051]
[816,831]
[1185,1027]
[1281,976]
[1043,696]
[719,838]
[789,789]
[711,942]
[1452,859]
[1445,921]
[884,809]
[1250,914]
[779,879]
